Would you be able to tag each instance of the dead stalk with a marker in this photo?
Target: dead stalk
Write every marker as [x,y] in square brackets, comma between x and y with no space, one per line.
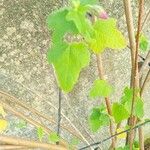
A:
[34,111]
[29,143]
[29,120]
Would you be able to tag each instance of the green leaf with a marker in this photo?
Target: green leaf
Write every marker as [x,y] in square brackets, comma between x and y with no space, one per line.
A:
[78,16]
[126,100]
[119,112]
[40,133]
[100,88]
[98,119]
[69,65]
[143,43]
[53,137]
[123,148]
[106,36]
[60,26]
[139,108]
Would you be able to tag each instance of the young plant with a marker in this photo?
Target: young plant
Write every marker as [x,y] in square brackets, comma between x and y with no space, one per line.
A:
[79,30]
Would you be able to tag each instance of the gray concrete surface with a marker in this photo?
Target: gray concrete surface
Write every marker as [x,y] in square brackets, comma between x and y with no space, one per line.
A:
[25,73]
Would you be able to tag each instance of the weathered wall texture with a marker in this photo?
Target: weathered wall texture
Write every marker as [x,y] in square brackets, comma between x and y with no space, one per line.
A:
[25,73]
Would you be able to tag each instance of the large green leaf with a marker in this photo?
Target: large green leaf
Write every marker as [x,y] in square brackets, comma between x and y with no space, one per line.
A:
[106,36]
[60,26]
[69,65]
[101,88]
[119,112]
[97,119]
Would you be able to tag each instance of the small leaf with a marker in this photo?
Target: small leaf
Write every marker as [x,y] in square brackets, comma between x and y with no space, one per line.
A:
[53,137]
[106,36]
[3,125]
[121,136]
[139,108]
[143,43]
[100,88]
[126,100]
[40,133]
[119,112]
[2,112]
[98,119]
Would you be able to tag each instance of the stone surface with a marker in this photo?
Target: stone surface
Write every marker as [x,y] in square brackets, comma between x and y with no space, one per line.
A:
[25,73]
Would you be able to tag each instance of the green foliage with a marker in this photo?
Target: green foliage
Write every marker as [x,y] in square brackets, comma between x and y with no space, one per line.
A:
[69,65]
[144,43]
[139,108]
[126,100]
[119,112]
[76,15]
[123,148]
[98,118]
[40,133]
[106,35]
[101,88]
[53,137]
[127,147]
[60,26]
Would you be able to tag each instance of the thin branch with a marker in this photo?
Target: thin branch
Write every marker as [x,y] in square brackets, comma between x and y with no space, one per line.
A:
[146,18]
[136,74]
[41,98]
[59,113]
[125,131]
[147,78]
[29,143]
[131,33]
[107,101]
[145,64]
[11,147]
[34,111]
[31,121]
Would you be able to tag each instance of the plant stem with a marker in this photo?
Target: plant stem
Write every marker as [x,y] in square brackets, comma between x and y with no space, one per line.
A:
[31,121]
[136,74]
[59,113]
[131,34]
[12,147]
[147,78]
[107,101]
[36,112]
[29,143]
